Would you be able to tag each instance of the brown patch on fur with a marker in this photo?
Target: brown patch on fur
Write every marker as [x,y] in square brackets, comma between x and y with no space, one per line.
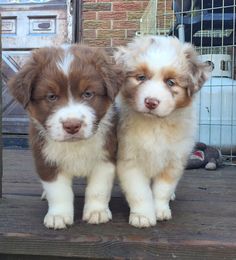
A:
[169,73]
[142,69]
[182,98]
[130,89]
[111,138]
[197,70]
[22,84]
[51,81]
[181,88]
[166,176]
[111,76]
[98,76]
[46,171]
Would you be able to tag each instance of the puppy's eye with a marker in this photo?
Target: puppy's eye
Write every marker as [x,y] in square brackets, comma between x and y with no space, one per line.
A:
[141,78]
[170,82]
[52,97]
[88,94]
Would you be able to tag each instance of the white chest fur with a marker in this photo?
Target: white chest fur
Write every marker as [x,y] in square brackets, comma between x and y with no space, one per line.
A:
[152,143]
[79,158]
[75,158]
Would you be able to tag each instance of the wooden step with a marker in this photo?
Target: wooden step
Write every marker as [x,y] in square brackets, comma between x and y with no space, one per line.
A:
[203,224]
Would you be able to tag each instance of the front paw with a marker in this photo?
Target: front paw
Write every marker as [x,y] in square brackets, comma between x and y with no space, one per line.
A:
[97,216]
[163,212]
[58,221]
[142,221]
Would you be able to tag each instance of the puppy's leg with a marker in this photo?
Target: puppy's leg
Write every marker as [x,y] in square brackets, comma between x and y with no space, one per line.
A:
[136,187]
[60,202]
[98,194]
[163,190]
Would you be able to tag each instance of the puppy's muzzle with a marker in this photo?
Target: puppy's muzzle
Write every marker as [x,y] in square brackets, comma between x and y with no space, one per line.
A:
[151,103]
[72,126]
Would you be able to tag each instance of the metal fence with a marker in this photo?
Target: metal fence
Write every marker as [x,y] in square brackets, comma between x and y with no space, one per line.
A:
[210,26]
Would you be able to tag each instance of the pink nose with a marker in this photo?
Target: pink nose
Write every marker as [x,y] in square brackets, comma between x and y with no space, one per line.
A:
[72,126]
[151,103]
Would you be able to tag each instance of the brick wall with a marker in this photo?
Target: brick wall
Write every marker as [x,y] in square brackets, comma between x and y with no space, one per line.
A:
[110,23]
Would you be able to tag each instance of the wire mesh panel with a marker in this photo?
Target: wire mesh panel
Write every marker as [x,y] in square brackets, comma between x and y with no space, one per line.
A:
[148,21]
[210,26]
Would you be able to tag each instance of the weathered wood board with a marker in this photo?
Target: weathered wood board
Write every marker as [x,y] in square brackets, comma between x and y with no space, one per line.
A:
[203,224]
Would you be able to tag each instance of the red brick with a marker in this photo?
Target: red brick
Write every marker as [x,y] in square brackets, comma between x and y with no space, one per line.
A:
[89,33]
[134,15]
[98,42]
[89,15]
[97,24]
[125,25]
[112,15]
[97,7]
[107,34]
[119,42]
[128,6]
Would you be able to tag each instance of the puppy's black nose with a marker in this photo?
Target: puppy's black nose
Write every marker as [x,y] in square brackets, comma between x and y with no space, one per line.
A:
[72,126]
[151,103]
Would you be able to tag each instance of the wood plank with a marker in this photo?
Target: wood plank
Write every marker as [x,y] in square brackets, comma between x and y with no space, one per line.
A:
[203,224]
[196,232]
[34,257]
[21,178]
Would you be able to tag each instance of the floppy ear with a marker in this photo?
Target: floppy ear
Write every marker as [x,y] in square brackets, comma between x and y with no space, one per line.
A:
[120,55]
[114,79]
[112,74]
[198,71]
[22,83]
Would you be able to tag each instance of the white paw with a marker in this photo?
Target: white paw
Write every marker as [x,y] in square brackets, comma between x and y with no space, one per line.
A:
[58,221]
[97,216]
[141,221]
[163,212]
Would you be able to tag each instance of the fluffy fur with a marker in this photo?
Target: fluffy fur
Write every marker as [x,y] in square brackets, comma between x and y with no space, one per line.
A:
[69,96]
[157,125]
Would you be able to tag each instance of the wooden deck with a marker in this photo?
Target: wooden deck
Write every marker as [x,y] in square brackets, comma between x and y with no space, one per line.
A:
[203,224]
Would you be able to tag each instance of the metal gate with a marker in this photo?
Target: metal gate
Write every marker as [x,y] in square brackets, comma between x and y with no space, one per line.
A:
[211,26]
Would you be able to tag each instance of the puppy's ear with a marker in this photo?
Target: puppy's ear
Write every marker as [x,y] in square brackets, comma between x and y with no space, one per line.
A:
[114,79]
[112,74]
[120,55]
[198,71]
[22,83]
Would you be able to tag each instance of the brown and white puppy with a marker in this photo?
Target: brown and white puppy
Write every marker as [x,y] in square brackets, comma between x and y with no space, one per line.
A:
[157,125]
[69,96]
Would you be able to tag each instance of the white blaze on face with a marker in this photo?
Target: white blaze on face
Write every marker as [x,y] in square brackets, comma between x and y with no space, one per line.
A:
[156,58]
[73,111]
[155,89]
[65,63]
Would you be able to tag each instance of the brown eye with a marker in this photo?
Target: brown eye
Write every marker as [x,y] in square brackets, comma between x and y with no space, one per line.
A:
[52,97]
[141,78]
[88,94]
[170,82]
